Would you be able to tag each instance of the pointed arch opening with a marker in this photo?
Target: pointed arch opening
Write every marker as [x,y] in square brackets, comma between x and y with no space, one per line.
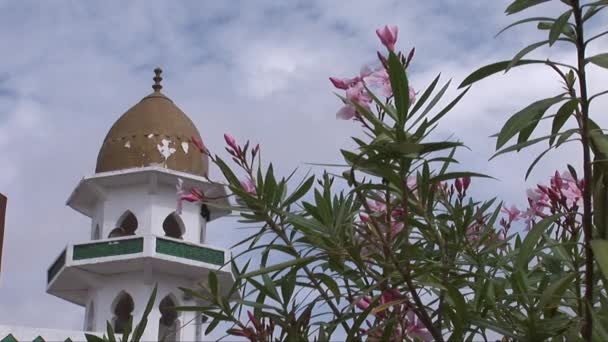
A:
[127,225]
[173,226]
[168,324]
[89,322]
[122,309]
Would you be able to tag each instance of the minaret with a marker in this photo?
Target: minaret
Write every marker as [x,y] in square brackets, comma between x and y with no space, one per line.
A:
[137,238]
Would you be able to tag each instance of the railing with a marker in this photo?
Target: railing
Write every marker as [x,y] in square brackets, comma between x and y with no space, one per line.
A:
[125,247]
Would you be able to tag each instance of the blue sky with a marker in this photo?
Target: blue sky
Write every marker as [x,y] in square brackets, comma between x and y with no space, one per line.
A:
[255,69]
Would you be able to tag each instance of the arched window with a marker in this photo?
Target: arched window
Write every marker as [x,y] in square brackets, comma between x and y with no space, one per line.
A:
[127,224]
[89,322]
[168,324]
[173,226]
[122,308]
[96,233]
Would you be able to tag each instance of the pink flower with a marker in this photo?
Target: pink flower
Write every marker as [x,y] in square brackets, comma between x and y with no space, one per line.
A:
[573,194]
[364,303]
[199,144]
[340,83]
[194,195]
[356,93]
[381,80]
[458,185]
[231,142]
[390,295]
[412,96]
[388,36]
[416,329]
[248,186]
[513,213]
[466,181]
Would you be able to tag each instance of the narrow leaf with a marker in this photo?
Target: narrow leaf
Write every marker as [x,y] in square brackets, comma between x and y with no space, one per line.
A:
[600,253]
[520,5]
[563,113]
[524,52]
[521,119]
[558,27]
[527,247]
[600,60]
[492,69]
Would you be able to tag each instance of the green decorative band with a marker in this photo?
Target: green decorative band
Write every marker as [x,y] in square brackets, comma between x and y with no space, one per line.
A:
[197,253]
[54,269]
[108,248]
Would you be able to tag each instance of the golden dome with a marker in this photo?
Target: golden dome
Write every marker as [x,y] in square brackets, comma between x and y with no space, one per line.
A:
[153,132]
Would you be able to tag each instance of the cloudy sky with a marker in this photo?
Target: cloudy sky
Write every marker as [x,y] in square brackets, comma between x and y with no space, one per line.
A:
[256,69]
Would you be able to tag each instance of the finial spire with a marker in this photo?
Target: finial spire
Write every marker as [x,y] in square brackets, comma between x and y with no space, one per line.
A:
[157,87]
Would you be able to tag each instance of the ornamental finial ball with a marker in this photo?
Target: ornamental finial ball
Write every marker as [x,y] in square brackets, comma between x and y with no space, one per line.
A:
[157,87]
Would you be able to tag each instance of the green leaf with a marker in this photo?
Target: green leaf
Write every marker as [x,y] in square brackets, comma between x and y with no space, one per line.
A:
[523,21]
[600,200]
[141,326]
[454,175]
[400,87]
[213,283]
[330,283]
[552,295]
[280,266]
[93,338]
[301,191]
[563,113]
[492,69]
[600,60]
[425,95]
[503,329]
[413,148]
[600,253]
[521,119]
[127,330]
[519,146]
[527,247]
[230,176]
[536,160]
[524,52]
[110,332]
[288,285]
[520,5]
[271,289]
[558,27]
[459,303]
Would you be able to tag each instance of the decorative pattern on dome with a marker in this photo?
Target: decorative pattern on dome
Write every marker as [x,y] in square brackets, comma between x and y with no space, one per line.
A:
[153,132]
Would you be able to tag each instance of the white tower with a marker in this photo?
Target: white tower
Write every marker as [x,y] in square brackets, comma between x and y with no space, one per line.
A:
[138,240]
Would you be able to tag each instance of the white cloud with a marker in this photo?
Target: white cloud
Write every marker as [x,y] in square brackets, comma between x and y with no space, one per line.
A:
[255,69]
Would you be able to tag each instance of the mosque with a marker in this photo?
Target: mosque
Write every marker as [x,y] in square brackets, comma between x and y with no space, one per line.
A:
[138,240]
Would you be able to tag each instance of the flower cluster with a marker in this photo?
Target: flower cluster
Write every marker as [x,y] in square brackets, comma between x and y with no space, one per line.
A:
[239,156]
[259,332]
[356,88]
[563,195]
[393,305]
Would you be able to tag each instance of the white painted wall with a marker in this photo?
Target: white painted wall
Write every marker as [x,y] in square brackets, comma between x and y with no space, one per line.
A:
[105,294]
[150,209]
[150,205]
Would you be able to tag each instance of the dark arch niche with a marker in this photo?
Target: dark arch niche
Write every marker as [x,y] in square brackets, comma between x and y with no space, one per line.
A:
[173,226]
[168,324]
[123,311]
[127,225]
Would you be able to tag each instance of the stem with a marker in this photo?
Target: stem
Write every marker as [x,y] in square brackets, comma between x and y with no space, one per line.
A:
[273,225]
[587,327]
